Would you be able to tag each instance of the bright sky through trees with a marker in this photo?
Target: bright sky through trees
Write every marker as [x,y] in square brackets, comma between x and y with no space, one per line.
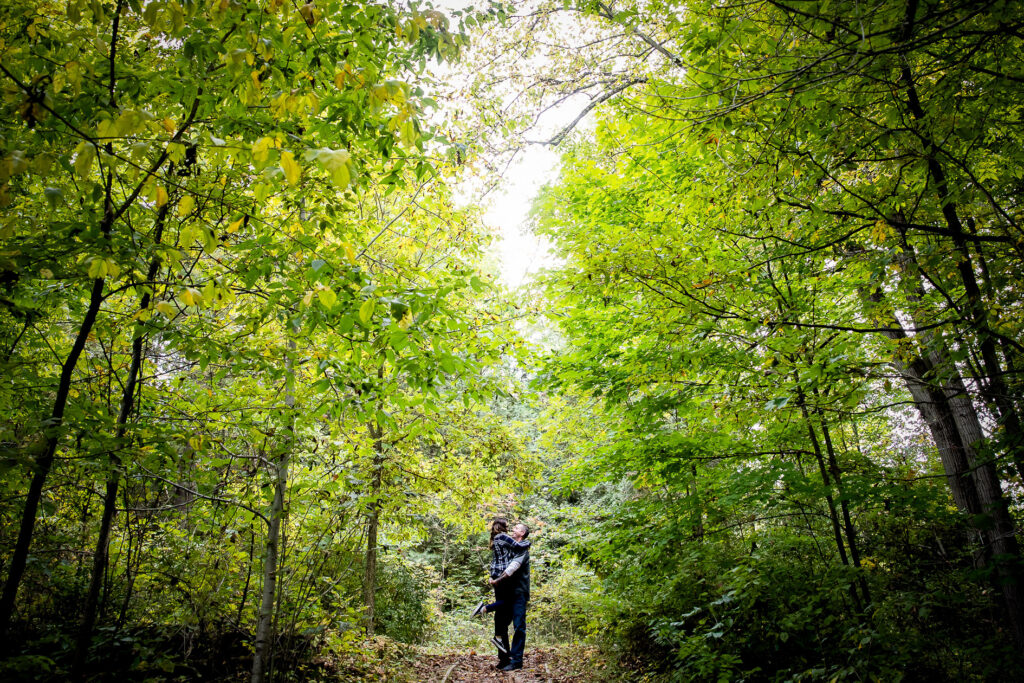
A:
[519,251]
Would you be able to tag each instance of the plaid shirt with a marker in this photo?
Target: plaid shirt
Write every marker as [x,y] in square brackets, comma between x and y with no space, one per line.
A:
[504,550]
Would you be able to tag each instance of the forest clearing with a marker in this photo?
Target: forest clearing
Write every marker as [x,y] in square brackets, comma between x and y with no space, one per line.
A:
[554,340]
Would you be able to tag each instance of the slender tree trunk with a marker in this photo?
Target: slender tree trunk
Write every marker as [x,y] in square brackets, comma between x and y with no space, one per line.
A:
[698,509]
[833,514]
[55,422]
[844,505]
[248,580]
[135,546]
[45,460]
[372,523]
[261,654]
[101,553]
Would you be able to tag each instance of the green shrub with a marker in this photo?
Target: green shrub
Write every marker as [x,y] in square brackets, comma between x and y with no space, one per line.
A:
[403,599]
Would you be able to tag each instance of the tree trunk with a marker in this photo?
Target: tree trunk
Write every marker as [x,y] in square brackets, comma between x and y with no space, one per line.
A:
[101,553]
[372,523]
[994,387]
[833,514]
[956,431]
[261,654]
[45,460]
[698,509]
[844,505]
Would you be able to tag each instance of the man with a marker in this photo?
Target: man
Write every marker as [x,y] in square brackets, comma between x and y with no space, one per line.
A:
[517,576]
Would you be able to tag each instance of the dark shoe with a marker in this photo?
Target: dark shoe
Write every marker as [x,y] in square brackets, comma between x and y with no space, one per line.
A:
[498,644]
[478,610]
[511,667]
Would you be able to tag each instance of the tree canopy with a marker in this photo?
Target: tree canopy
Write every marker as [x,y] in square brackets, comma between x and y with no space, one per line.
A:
[264,389]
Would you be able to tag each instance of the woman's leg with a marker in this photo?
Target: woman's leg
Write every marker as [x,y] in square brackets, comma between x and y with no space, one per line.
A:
[501,597]
[502,618]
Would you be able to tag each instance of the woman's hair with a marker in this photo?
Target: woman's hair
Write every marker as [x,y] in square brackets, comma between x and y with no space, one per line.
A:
[498,526]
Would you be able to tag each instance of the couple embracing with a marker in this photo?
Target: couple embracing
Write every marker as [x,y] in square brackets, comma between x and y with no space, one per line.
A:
[510,577]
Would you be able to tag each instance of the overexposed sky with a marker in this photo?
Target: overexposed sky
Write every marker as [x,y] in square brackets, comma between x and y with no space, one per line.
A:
[506,207]
[519,251]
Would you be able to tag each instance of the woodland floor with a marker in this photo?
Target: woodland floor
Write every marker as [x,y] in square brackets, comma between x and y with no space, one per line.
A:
[554,665]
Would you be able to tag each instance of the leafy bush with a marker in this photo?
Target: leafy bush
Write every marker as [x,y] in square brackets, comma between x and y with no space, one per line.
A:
[403,599]
[562,604]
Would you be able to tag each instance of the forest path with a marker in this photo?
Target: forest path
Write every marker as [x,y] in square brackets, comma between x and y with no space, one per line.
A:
[550,665]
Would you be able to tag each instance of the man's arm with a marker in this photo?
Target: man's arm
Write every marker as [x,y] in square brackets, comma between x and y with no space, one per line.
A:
[512,568]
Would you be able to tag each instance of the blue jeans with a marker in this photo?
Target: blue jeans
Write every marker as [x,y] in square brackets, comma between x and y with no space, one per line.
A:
[500,600]
[513,611]
[502,608]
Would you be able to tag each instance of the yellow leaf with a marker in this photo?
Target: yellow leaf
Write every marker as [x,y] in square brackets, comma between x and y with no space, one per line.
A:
[313,102]
[85,155]
[350,253]
[168,124]
[234,226]
[185,206]
[189,234]
[308,299]
[191,297]
[366,311]
[74,71]
[308,13]
[113,270]
[175,152]
[210,242]
[161,196]
[407,132]
[97,268]
[165,308]
[327,296]
[210,292]
[261,149]
[106,129]
[291,168]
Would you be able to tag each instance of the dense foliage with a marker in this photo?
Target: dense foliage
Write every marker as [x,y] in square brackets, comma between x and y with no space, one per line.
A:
[246,332]
[261,389]
[798,233]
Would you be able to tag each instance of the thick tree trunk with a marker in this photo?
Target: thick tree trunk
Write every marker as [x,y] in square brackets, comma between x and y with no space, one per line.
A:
[993,386]
[956,431]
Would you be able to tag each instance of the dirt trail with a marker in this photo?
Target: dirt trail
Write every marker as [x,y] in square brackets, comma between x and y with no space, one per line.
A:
[550,665]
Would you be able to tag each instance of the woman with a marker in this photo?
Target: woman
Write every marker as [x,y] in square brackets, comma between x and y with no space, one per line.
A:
[504,552]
